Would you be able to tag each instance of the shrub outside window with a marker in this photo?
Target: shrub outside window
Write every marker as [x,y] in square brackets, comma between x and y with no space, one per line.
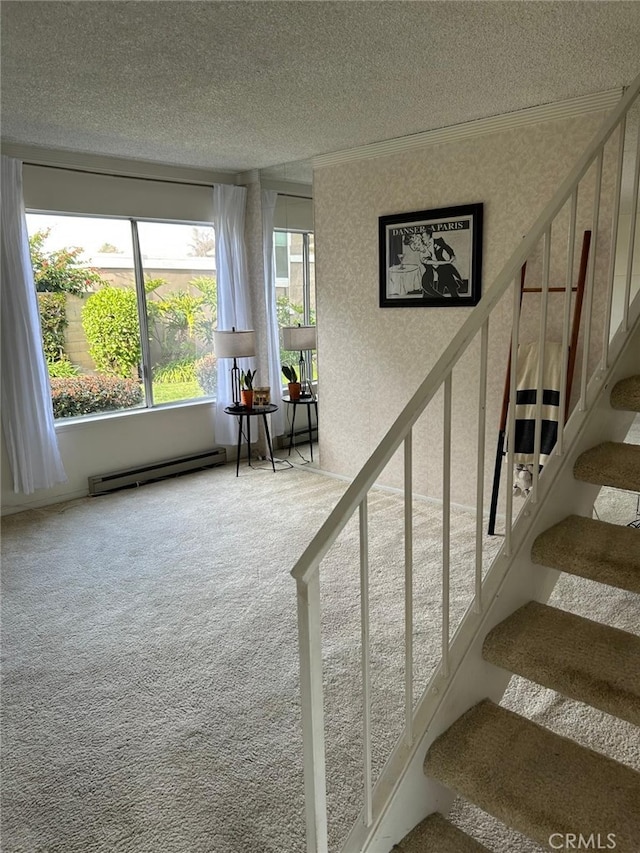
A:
[127,310]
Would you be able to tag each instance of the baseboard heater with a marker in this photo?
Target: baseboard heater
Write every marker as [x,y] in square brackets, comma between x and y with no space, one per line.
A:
[100,484]
[300,436]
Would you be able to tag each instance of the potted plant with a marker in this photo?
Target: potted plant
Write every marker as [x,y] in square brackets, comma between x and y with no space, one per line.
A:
[246,388]
[292,378]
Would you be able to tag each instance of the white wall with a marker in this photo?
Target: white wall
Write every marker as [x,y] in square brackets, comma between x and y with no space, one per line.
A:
[371,360]
[110,443]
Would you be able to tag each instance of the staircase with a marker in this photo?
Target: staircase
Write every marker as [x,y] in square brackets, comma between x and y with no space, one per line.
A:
[535,781]
[524,775]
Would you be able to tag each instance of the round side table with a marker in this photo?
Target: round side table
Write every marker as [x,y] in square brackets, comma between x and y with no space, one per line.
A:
[242,412]
[302,401]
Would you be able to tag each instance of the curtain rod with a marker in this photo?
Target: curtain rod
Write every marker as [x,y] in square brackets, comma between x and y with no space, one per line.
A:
[293,195]
[116,175]
[142,178]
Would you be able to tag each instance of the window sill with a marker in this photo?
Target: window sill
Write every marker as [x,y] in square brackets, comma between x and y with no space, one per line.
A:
[66,424]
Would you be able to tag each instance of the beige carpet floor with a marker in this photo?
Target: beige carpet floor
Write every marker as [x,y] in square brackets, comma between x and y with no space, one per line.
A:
[150,674]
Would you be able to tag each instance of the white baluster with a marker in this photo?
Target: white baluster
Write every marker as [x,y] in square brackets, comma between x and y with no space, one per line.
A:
[568,285]
[366,660]
[544,307]
[511,418]
[614,243]
[482,431]
[586,338]
[632,235]
[446,523]
[408,586]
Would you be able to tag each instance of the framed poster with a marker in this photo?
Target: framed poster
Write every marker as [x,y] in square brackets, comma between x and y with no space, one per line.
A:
[431,258]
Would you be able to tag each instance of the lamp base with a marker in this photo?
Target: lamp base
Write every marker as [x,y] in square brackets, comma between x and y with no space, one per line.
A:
[238,407]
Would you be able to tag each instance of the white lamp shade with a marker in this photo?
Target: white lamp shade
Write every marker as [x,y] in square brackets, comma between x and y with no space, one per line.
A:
[235,344]
[299,337]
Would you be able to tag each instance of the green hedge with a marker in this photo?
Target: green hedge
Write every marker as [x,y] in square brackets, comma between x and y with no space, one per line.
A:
[53,320]
[110,323]
[86,395]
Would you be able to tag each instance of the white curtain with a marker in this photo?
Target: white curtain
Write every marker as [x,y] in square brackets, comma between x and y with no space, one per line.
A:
[234,308]
[269,198]
[27,414]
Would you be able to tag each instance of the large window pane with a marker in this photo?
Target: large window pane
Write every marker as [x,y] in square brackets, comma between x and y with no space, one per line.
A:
[281,254]
[310,297]
[295,276]
[178,265]
[101,357]
[84,275]
[296,290]
[311,290]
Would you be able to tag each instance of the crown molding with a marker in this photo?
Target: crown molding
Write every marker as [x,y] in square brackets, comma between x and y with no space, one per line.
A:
[479,127]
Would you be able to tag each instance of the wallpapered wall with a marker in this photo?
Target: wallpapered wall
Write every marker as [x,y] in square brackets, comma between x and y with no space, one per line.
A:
[371,360]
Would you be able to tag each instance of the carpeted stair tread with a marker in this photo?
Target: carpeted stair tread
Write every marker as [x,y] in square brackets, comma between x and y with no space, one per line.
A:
[611,463]
[577,657]
[436,835]
[626,394]
[592,549]
[536,781]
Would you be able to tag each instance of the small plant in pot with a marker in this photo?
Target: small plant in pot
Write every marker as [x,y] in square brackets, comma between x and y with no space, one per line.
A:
[246,388]
[292,378]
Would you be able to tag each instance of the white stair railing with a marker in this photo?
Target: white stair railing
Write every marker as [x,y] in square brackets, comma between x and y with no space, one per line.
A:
[585,179]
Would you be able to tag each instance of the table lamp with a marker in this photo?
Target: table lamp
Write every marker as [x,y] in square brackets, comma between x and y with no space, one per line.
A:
[235,344]
[302,338]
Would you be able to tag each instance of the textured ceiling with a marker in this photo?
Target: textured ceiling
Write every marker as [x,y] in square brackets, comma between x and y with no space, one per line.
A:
[244,85]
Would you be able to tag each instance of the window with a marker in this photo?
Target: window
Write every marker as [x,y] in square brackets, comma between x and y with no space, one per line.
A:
[281,254]
[127,310]
[296,291]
